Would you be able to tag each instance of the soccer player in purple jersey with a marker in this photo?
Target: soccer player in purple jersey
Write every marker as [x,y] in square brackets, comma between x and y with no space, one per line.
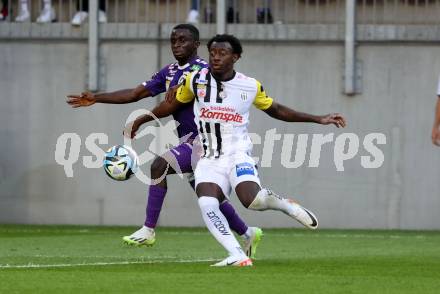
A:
[184,44]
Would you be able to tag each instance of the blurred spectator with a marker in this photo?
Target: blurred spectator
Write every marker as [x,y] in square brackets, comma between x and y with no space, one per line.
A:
[83,13]
[47,13]
[264,14]
[4,10]
[194,14]
[230,13]
[23,12]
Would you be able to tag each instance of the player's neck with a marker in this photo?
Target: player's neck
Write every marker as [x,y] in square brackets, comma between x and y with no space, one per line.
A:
[224,77]
[182,62]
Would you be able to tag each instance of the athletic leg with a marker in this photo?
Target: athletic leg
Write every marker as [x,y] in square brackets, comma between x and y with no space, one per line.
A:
[210,194]
[244,178]
[212,186]
[251,236]
[162,166]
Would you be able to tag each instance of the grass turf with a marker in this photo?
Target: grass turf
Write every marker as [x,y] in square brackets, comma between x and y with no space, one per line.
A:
[74,259]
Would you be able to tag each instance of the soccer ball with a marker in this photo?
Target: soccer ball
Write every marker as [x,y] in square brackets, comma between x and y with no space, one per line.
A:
[120,162]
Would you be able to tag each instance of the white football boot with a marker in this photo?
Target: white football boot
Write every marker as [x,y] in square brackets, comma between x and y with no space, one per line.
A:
[292,209]
[47,15]
[234,261]
[303,215]
[142,237]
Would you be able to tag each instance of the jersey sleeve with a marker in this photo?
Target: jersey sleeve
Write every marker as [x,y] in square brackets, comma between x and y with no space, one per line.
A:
[184,92]
[262,101]
[157,83]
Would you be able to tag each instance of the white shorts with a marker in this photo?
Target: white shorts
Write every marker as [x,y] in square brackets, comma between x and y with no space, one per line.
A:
[227,171]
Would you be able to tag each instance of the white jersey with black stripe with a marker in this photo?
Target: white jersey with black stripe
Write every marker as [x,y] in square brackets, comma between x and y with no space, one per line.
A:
[221,110]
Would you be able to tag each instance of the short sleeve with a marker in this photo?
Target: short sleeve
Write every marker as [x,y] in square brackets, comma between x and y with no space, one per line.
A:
[184,93]
[157,83]
[262,101]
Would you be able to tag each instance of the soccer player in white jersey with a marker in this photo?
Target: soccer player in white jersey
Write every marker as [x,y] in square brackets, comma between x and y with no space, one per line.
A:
[223,98]
[436,127]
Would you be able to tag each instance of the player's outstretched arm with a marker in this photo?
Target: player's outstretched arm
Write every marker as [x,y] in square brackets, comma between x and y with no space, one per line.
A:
[118,97]
[162,110]
[284,113]
[435,136]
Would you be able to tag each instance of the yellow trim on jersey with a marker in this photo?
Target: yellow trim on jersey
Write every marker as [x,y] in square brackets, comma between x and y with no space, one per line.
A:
[184,93]
[262,101]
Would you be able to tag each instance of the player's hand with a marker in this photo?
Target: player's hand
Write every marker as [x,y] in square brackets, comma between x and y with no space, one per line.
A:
[334,118]
[171,94]
[131,129]
[83,100]
[435,136]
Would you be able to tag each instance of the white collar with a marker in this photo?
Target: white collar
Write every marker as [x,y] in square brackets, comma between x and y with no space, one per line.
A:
[180,67]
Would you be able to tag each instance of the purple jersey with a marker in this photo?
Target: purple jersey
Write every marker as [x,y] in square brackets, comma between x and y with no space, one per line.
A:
[172,75]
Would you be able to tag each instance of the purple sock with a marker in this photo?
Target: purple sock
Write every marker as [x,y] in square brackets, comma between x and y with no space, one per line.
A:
[234,220]
[156,195]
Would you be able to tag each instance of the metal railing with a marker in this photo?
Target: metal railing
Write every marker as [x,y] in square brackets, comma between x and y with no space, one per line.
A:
[247,11]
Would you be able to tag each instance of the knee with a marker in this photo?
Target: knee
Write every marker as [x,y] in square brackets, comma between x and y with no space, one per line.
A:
[259,201]
[247,200]
[247,192]
[158,167]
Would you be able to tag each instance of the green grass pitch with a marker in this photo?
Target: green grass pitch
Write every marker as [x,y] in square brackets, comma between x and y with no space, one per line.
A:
[78,259]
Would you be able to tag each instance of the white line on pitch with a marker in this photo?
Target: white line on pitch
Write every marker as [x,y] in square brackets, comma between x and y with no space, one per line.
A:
[31,265]
[317,235]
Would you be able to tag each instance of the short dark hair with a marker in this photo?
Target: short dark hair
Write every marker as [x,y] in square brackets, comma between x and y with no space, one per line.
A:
[235,43]
[192,29]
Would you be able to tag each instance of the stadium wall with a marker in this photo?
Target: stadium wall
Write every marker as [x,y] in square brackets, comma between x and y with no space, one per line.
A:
[397,98]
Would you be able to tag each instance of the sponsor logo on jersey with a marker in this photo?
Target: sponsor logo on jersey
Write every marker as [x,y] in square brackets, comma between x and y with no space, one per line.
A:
[227,117]
[243,96]
[201,93]
[195,67]
[244,168]
[201,82]
[220,226]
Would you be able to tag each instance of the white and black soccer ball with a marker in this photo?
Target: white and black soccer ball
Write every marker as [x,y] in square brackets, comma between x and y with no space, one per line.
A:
[120,162]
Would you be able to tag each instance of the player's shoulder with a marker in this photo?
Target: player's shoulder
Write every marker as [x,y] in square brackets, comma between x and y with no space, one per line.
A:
[168,68]
[201,61]
[244,79]
[172,66]
[200,72]
[198,64]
